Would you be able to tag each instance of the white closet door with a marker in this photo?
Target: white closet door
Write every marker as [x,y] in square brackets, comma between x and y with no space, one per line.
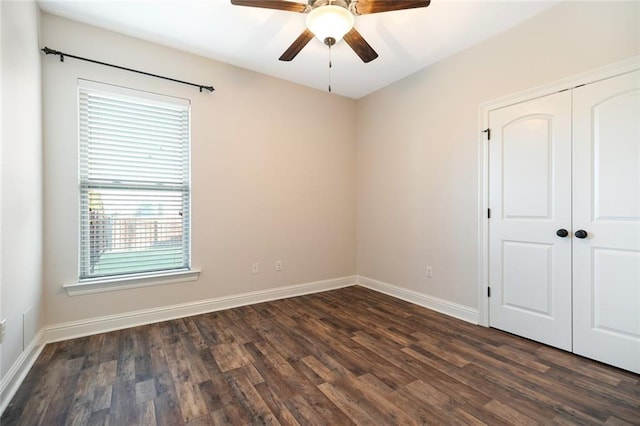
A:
[606,204]
[530,200]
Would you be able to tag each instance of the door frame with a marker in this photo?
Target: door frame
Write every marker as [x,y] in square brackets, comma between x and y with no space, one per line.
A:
[608,71]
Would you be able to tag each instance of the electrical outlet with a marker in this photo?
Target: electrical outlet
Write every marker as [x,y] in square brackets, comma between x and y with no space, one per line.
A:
[429,272]
[3,329]
[278,265]
[255,268]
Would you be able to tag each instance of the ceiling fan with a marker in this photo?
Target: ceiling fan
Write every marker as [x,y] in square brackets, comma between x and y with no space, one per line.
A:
[332,20]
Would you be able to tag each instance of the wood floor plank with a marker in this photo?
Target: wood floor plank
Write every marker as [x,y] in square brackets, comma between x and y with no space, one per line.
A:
[510,414]
[422,413]
[350,406]
[439,349]
[219,418]
[146,413]
[247,396]
[124,409]
[230,356]
[320,369]
[277,407]
[305,371]
[348,356]
[99,418]
[107,373]
[391,413]
[305,414]
[126,356]
[142,365]
[146,390]
[82,399]
[102,398]
[61,393]
[298,385]
[233,410]
[167,410]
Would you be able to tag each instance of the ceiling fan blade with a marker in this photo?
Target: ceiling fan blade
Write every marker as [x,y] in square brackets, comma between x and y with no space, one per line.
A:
[365,7]
[297,46]
[290,6]
[360,46]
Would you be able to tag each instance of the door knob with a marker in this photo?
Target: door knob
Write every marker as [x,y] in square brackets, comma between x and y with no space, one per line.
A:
[581,233]
[562,233]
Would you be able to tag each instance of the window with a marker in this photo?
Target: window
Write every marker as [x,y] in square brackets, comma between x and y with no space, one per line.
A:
[134,183]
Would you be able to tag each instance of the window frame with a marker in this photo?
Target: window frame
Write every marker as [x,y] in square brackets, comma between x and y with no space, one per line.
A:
[86,285]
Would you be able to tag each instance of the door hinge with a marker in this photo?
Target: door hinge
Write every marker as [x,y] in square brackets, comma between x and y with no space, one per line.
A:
[488,291]
[488,213]
[488,132]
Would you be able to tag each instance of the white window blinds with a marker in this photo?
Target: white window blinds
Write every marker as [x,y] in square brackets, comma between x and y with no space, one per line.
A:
[134,182]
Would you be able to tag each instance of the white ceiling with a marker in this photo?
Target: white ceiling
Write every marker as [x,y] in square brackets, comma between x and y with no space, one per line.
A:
[253,38]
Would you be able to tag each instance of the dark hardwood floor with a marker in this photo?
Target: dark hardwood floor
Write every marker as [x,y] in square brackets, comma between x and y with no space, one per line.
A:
[341,357]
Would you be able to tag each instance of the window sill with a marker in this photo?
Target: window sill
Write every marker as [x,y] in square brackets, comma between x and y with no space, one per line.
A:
[126,283]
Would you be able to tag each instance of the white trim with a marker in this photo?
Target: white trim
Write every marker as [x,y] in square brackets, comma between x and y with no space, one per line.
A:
[128,282]
[465,313]
[87,327]
[608,71]
[18,371]
[483,220]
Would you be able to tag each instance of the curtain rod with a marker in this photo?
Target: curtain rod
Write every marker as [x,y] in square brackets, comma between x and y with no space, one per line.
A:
[48,51]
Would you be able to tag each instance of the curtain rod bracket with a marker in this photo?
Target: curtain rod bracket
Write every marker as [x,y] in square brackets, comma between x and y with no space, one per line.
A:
[48,51]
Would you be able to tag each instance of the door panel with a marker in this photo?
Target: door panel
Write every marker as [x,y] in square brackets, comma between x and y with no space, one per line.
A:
[530,199]
[616,154]
[526,164]
[526,270]
[606,202]
[616,293]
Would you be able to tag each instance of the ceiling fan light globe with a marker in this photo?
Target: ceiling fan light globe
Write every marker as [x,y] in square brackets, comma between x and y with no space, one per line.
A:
[330,21]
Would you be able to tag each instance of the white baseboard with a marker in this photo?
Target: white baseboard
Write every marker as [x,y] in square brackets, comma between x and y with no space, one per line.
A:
[446,307]
[71,330]
[18,371]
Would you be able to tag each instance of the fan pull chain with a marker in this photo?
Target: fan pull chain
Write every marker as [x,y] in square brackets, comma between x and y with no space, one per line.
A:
[330,66]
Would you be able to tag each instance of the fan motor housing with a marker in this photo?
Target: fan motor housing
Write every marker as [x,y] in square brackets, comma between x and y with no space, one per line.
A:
[319,3]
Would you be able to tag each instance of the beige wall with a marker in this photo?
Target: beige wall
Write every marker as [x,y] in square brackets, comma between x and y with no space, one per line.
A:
[273,173]
[272,182]
[418,142]
[21,180]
